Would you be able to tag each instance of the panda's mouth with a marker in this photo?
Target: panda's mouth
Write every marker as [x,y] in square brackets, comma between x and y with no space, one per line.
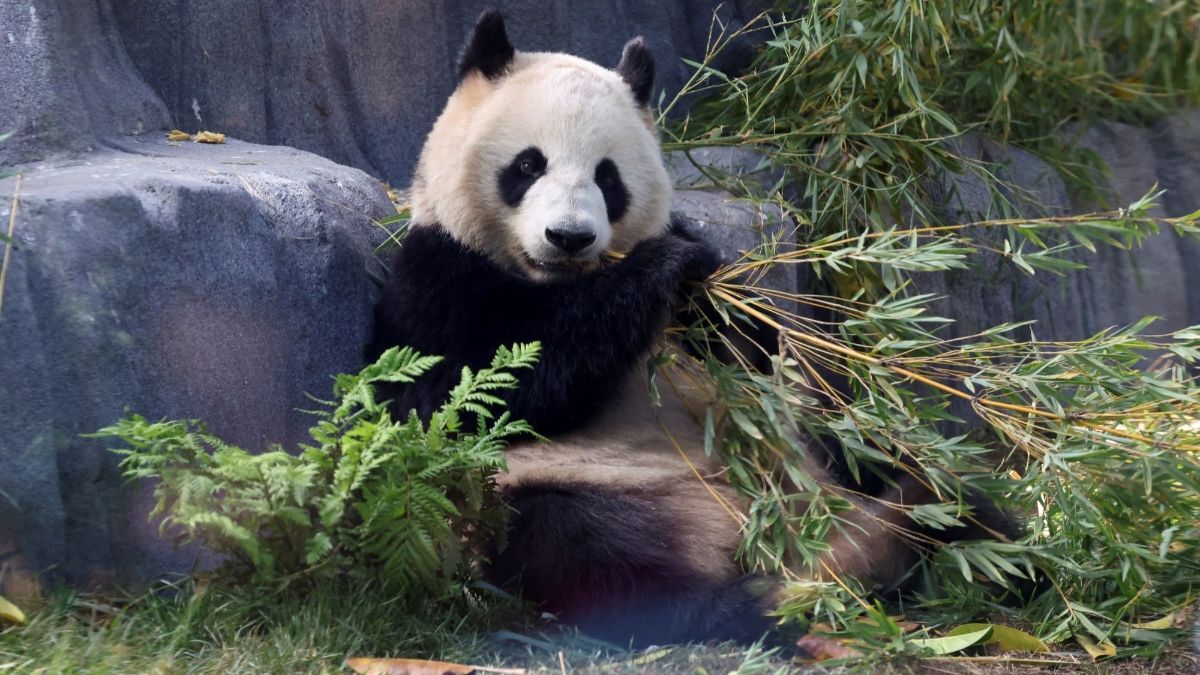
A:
[558,268]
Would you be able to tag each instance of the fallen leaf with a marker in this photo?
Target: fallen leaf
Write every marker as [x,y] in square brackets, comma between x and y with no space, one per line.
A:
[421,667]
[1164,623]
[649,657]
[177,135]
[10,612]
[406,667]
[1008,639]
[952,643]
[823,648]
[209,137]
[1096,651]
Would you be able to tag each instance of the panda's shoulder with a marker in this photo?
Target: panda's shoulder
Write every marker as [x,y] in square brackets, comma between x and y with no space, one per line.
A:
[429,252]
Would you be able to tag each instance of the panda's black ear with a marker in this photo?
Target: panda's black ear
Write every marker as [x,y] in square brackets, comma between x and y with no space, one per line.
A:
[637,69]
[488,49]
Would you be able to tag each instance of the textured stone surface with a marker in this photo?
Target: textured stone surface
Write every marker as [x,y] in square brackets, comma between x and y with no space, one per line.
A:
[1161,278]
[732,225]
[707,168]
[67,81]
[185,281]
[362,82]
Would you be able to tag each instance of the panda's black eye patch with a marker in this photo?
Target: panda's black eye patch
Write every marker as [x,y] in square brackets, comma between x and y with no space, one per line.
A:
[520,174]
[616,197]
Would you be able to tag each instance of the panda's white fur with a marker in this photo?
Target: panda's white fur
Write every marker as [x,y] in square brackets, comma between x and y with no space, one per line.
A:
[543,100]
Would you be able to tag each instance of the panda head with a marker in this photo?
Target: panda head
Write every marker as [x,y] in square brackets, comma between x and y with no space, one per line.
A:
[544,161]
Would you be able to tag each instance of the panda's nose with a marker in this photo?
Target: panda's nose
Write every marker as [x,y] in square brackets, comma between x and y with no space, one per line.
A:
[571,239]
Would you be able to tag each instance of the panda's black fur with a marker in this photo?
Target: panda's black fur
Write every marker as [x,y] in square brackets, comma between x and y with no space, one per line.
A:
[444,298]
[618,535]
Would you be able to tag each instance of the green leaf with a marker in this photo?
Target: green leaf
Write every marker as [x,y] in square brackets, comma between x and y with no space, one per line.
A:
[1008,639]
[951,643]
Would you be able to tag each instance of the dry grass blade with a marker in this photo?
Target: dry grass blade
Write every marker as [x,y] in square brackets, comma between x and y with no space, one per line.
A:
[8,243]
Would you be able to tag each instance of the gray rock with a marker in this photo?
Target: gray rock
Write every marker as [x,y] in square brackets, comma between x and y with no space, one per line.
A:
[715,167]
[1119,287]
[67,81]
[218,282]
[358,83]
[735,226]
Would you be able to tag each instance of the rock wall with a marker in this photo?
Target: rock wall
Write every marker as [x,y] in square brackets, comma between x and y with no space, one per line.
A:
[361,82]
[68,83]
[1160,278]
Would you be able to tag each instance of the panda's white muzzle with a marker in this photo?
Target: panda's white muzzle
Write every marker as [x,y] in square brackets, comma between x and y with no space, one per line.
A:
[563,222]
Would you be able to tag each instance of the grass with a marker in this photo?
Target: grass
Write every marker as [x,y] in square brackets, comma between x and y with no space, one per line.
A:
[176,629]
[241,630]
[859,105]
[179,629]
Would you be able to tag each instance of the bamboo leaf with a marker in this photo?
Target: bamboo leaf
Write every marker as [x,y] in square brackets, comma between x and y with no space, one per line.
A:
[951,643]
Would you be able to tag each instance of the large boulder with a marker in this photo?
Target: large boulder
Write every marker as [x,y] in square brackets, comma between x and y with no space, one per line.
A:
[220,282]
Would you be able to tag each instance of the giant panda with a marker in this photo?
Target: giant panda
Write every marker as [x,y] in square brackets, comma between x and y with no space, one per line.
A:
[538,165]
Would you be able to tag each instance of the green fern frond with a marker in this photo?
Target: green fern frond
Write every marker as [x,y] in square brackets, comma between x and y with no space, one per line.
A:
[402,501]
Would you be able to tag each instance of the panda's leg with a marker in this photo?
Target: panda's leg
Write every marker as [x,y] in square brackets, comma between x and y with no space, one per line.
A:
[614,565]
[879,543]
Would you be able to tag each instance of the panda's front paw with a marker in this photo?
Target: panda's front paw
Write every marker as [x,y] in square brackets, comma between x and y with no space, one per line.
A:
[700,259]
[674,259]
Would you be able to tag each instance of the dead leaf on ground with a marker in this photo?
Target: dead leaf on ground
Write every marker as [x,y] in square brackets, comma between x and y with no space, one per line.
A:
[1096,651]
[1162,623]
[406,667]
[10,612]
[823,648]
[209,137]
[421,667]
[177,135]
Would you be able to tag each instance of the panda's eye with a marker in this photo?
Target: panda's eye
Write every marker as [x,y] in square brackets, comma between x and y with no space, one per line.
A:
[520,174]
[616,197]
